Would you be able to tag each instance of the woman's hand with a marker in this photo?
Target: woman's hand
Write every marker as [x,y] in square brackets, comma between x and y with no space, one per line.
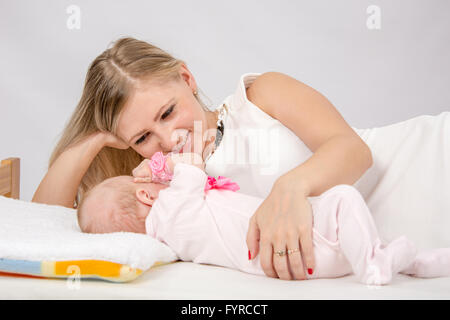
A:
[110,140]
[283,221]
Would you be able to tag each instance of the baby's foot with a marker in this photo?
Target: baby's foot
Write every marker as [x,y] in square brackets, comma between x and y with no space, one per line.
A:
[403,253]
[387,261]
[430,264]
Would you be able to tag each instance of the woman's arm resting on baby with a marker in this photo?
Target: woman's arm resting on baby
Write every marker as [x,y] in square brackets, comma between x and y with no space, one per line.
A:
[340,157]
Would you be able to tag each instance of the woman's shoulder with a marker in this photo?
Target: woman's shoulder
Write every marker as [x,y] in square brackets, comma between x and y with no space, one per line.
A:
[250,95]
[258,85]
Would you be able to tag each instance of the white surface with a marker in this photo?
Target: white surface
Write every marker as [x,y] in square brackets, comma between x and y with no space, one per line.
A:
[186,280]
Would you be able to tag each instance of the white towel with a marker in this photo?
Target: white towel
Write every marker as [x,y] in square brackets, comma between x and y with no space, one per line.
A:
[38,232]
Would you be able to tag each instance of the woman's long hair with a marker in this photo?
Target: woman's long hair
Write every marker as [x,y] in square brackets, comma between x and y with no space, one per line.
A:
[109,82]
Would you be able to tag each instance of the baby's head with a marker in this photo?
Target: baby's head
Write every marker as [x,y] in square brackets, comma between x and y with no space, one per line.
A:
[117,204]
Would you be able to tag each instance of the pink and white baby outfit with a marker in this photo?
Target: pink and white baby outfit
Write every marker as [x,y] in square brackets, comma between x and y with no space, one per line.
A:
[210,227]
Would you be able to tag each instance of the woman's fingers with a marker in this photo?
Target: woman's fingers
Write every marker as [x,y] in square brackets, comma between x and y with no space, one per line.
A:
[295,260]
[265,241]
[265,258]
[280,263]
[306,244]
[284,222]
[253,238]
[290,265]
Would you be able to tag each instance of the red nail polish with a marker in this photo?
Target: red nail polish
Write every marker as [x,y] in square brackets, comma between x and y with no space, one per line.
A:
[310,271]
[249,255]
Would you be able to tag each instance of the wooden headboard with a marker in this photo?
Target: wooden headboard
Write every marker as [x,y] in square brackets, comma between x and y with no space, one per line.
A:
[10,178]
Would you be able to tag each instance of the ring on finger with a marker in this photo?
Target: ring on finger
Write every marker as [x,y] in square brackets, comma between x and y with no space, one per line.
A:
[280,252]
[293,250]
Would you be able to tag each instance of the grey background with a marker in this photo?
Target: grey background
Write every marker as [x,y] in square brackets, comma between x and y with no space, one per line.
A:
[373,77]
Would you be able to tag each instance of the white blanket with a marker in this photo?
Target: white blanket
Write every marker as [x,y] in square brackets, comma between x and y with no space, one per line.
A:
[38,232]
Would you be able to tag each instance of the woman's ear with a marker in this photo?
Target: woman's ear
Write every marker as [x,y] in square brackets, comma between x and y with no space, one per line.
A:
[144,196]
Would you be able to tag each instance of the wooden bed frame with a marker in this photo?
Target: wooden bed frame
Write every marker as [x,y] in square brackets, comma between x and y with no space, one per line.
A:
[10,178]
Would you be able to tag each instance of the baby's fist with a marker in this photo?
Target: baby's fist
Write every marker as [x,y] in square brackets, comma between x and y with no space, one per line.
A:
[142,173]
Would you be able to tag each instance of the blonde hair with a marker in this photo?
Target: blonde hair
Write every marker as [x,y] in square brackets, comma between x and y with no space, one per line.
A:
[109,82]
[124,218]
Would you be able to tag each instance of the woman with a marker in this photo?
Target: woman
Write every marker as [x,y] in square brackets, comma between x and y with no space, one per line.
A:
[136,95]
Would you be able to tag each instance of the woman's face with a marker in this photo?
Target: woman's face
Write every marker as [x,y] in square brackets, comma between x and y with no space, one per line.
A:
[163,117]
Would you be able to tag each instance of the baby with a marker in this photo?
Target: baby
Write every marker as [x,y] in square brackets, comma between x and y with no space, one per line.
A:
[119,204]
[205,220]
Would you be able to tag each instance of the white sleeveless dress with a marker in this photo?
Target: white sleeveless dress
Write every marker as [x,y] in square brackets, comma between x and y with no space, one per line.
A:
[407,188]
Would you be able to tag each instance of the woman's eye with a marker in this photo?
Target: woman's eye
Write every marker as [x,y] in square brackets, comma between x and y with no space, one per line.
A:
[168,112]
[141,139]
[165,115]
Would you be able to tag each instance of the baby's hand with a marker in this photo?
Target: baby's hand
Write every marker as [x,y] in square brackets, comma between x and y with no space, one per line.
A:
[142,173]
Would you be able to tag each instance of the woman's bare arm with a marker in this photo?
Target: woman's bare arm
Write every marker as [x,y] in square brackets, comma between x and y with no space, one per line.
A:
[60,184]
[340,156]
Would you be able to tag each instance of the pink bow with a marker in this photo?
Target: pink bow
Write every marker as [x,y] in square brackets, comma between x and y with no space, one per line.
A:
[221,183]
